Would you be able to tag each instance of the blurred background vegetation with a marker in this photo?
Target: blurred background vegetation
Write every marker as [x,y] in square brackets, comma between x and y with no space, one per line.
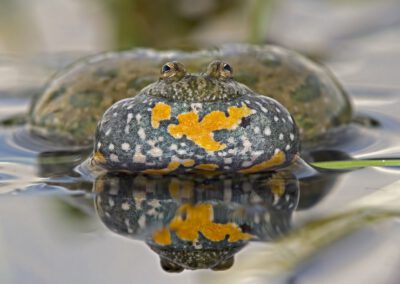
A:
[52,33]
[53,25]
[93,25]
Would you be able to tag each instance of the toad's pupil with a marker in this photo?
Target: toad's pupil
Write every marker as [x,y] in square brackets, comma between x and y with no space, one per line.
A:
[165,68]
[228,68]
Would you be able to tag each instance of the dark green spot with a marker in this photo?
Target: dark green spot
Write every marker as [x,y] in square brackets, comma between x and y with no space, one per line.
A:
[309,91]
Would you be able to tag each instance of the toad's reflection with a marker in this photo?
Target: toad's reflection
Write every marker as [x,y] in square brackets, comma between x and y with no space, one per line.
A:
[197,222]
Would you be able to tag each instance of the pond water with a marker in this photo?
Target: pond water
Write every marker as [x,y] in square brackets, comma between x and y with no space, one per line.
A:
[57,227]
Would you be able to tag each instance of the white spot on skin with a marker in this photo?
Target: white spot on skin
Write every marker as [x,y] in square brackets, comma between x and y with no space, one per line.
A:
[256,154]
[278,110]
[280,136]
[129,117]
[111,202]
[290,118]
[156,152]
[173,147]
[142,221]
[108,132]
[138,118]
[247,164]
[125,206]
[160,138]
[291,136]
[276,118]
[287,148]
[126,147]
[114,158]
[138,157]
[228,161]
[256,130]
[111,147]
[263,109]
[154,203]
[231,140]
[267,131]
[142,134]
[196,107]
[181,152]
[232,151]
[126,129]
[246,145]
[98,145]
[277,150]
[115,114]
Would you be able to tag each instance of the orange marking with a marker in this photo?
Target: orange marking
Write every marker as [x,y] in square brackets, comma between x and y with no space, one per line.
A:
[160,112]
[188,163]
[207,167]
[180,189]
[201,132]
[276,160]
[162,237]
[98,158]
[277,184]
[199,218]
[172,166]
[174,187]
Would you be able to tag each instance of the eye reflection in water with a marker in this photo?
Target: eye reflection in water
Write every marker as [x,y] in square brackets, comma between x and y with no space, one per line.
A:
[197,222]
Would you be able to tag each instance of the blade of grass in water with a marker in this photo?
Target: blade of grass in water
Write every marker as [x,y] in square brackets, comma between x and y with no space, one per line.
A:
[354,164]
[281,257]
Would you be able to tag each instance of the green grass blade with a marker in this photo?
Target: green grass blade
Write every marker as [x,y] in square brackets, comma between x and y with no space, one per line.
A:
[354,164]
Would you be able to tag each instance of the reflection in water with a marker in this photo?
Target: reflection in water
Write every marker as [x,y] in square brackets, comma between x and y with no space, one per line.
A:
[195,222]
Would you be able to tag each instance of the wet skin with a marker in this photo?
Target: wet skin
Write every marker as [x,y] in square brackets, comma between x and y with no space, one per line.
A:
[196,122]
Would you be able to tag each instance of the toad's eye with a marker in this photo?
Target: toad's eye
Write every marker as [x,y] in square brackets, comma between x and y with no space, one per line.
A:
[220,70]
[173,70]
[227,68]
[165,68]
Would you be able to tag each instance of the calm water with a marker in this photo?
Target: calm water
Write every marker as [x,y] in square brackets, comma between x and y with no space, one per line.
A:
[57,227]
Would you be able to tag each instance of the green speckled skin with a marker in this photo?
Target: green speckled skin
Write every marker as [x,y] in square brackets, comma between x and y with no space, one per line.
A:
[76,98]
[137,206]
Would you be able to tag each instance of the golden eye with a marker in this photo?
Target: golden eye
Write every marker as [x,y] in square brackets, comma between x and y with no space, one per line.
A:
[165,68]
[227,68]
[219,70]
[173,69]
